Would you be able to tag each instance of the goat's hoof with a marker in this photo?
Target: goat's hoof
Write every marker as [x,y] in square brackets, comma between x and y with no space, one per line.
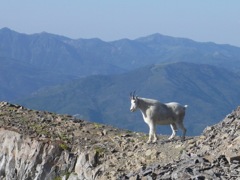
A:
[154,141]
[183,139]
[151,142]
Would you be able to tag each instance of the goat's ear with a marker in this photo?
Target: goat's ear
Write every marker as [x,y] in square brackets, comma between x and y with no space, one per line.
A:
[133,98]
[130,96]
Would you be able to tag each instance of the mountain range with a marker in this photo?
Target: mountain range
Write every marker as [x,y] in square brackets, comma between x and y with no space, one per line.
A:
[210,93]
[92,79]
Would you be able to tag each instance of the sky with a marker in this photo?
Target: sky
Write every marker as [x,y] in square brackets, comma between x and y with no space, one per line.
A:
[200,20]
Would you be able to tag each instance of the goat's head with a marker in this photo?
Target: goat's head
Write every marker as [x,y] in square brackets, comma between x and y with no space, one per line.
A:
[134,102]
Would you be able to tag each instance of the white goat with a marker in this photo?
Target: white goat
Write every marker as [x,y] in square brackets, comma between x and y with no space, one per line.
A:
[155,112]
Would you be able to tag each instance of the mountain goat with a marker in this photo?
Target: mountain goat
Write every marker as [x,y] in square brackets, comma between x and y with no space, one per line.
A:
[155,112]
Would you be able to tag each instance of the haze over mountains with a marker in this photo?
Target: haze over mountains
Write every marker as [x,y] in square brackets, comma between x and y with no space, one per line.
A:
[93,78]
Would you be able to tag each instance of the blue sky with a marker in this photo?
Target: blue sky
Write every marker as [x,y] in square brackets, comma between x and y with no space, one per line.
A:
[203,20]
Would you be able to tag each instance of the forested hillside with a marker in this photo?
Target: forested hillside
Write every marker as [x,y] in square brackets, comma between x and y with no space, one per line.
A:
[209,92]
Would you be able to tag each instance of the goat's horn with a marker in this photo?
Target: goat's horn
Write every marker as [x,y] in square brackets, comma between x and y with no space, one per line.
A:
[132,94]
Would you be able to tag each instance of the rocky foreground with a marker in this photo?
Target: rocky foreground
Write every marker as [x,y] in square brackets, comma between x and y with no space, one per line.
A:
[42,145]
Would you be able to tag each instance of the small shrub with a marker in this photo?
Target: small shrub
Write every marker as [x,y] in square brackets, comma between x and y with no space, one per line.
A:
[57,178]
[63,146]
[99,150]
[97,125]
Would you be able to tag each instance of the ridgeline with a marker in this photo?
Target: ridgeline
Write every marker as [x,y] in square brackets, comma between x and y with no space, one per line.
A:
[43,145]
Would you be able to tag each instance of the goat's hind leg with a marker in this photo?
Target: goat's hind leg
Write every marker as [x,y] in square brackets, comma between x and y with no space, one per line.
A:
[184,130]
[174,130]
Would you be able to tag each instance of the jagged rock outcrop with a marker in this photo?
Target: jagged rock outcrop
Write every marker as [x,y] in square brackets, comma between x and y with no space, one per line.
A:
[221,139]
[213,155]
[43,145]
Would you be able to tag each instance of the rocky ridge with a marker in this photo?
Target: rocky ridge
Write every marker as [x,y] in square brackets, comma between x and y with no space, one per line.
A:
[42,145]
[213,155]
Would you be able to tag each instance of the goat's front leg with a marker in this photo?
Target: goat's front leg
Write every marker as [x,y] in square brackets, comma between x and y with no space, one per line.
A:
[152,133]
[174,130]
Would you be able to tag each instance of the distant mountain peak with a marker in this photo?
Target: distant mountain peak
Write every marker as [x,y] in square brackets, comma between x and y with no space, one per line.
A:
[152,37]
[6,30]
[163,39]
